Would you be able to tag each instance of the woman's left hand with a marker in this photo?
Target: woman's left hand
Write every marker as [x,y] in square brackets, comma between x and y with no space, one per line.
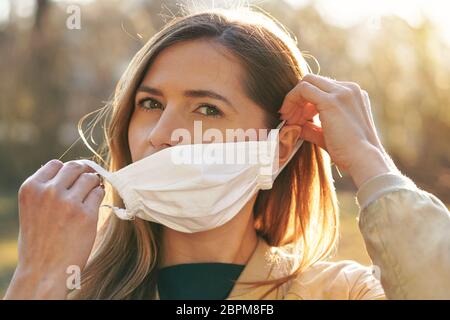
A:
[347,130]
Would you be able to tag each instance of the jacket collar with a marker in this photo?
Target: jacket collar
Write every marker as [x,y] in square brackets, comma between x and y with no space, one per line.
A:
[259,267]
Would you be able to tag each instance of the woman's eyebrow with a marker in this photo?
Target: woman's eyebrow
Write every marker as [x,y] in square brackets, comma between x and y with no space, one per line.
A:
[209,94]
[190,93]
[151,90]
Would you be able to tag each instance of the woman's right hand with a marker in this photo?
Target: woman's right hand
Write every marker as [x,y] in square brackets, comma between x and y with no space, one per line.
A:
[58,214]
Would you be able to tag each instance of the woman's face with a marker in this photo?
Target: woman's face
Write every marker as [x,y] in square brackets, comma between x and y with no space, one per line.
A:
[190,81]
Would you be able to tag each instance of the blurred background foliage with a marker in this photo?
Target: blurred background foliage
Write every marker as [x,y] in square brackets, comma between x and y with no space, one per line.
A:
[50,76]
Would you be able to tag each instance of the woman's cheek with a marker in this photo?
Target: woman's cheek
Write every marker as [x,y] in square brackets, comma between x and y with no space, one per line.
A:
[137,134]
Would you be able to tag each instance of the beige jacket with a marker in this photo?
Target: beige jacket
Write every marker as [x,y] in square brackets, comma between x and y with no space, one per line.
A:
[407,235]
[342,280]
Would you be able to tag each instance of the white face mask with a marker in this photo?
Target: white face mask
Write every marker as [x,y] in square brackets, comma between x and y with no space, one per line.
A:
[202,194]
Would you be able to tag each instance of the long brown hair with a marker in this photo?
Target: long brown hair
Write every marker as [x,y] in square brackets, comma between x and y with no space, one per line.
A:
[300,210]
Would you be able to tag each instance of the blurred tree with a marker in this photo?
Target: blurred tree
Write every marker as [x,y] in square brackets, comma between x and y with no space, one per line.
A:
[51,76]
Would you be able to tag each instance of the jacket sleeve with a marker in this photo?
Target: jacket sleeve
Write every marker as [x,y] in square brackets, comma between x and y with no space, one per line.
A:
[341,280]
[407,234]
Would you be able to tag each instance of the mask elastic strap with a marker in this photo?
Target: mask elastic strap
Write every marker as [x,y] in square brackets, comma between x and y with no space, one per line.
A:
[122,213]
[99,169]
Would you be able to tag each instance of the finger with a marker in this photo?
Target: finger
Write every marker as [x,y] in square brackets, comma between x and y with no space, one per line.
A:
[292,101]
[370,116]
[94,199]
[351,85]
[323,83]
[363,95]
[70,173]
[314,134]
[314,95]
[292,113]
[296,117]
[301,114]
[310,111]
[48,171]
[83,185]
[303,95]
[364,98]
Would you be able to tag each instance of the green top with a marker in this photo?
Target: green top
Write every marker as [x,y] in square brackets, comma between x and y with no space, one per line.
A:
[198,281]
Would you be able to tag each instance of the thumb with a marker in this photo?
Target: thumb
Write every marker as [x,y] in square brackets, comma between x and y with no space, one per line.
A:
[314,134]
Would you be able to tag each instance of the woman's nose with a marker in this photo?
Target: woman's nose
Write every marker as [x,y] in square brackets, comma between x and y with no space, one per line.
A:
[162,135]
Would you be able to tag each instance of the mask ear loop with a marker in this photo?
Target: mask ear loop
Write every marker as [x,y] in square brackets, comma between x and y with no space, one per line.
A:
[122,213]
[337,169]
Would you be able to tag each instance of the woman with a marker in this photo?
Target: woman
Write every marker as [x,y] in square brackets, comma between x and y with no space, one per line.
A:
[234,70]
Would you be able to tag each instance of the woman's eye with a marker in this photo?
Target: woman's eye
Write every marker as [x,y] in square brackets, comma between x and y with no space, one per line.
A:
[149,104]
[210,111]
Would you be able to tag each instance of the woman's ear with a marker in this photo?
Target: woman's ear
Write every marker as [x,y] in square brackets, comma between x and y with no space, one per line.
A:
[288,137]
